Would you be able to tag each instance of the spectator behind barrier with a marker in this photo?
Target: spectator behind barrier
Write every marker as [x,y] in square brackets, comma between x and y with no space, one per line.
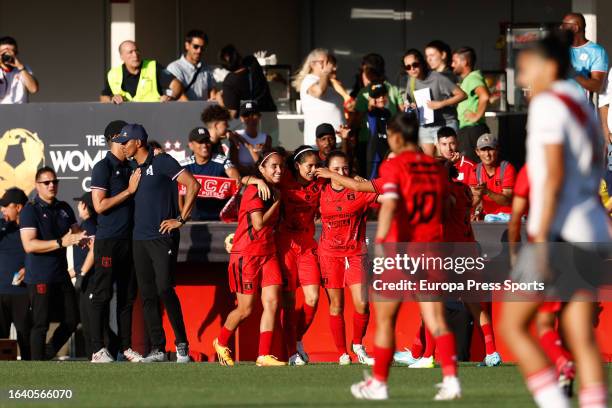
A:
[245,81]
[589,60]
[247,143]
[471,111]
[138,80]
[377,118]
[492,180]
[438,55]
[16,78]
[191,70]
[215,119]
[321,103]
[204,162]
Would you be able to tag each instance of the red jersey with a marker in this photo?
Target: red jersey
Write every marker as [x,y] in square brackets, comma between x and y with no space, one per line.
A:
[299,205]
[343,216]
[248,241]
[465,167]
[521,187]
[496,183]
[458,228]
[379,187]
[421,185]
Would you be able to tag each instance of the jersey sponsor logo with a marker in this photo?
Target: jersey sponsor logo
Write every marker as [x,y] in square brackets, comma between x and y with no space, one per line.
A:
[106,261]
[41,288]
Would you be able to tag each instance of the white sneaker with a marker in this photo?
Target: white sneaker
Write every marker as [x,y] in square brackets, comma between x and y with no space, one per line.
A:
[296,360]
[450,389]
[102,356]
[132,356]
[423,362]
[302,352]
[182,353]
[370,389]
[155,356]
[344,359]
[362,355]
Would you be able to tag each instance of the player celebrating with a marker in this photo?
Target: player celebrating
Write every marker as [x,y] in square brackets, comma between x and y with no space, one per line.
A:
[254,263]
[408,175]
[564,170]
[343,257]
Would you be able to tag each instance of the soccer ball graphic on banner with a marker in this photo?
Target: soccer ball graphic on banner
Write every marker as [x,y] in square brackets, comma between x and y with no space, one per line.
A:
[21,154]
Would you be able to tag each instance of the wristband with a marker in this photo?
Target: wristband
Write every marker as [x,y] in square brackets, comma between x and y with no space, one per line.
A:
[181,219]
[59,242]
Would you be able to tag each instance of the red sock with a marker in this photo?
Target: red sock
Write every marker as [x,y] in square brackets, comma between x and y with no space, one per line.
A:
[489,338]
[289,331]
[382,362]
[336,324]
[360,325]
[224,336]
[265,343]
[553,347]
[417,346]
[430,344]
[593,396]
[447,353]
[305,317]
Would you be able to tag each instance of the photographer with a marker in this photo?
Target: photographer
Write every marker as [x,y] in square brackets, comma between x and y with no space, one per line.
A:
[16,79]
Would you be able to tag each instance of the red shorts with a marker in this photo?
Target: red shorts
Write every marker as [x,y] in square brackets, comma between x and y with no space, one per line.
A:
[550,307]
[299,264]
[339,271]
[248,273]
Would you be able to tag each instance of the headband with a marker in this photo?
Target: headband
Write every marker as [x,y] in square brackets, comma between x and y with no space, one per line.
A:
[266,157]
[304,150]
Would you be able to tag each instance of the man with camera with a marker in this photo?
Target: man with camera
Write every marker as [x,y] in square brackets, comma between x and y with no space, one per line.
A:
[16,79]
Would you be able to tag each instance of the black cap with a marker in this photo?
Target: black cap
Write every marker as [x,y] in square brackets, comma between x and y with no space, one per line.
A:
[325,129]
[114,128]
[13,195]
[85,198]
[377,89]
[132,131]
[248,108]
[199,135]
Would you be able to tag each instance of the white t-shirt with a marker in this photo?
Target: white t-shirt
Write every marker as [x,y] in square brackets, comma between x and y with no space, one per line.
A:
[605,98]
[12,89]
[326,109]
[580,216]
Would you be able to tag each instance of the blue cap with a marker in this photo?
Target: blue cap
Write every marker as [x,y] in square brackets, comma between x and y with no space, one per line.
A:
[131,131]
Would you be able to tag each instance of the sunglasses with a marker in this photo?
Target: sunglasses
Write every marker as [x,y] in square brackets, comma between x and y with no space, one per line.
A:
[197,46]
[414,65]
[47,182]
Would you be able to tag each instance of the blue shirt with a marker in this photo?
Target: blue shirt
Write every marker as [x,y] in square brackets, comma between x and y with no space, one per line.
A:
[79,254]
[12,257]
[588,58]
[51,222]
[208,209]
[112,175]
[157,196]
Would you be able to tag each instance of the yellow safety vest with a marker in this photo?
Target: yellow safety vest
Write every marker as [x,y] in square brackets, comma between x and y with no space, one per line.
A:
[147,83]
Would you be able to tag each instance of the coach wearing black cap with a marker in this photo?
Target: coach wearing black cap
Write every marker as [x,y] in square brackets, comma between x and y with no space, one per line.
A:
[14,299]
[47,228]
[112,186]
[156,237]
[206,163]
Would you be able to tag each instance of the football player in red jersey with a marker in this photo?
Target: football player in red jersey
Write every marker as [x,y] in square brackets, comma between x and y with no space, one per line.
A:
[416,181]
[548,312]
[254,263]
[343,256]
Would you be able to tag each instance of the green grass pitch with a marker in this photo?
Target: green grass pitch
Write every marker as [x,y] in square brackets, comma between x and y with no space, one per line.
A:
[205,384]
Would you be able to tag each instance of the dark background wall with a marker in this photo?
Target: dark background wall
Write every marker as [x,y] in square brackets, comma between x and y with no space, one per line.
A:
[63,41]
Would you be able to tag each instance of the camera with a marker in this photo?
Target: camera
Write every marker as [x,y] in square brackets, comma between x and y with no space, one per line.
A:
[7,59]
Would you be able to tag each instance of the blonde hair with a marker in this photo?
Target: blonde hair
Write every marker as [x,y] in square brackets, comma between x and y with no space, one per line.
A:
[299,75]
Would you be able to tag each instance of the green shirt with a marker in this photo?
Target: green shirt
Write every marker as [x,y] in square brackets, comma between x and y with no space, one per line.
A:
[361,105]
[469,84]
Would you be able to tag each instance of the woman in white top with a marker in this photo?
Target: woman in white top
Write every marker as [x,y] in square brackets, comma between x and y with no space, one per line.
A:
[321,103]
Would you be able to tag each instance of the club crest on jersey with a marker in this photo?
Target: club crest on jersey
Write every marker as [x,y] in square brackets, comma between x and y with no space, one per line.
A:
[41,288]
[338,208]
[107,261]
[248,286]
[149,171]
[307,197]
[315,188]
[350,196]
